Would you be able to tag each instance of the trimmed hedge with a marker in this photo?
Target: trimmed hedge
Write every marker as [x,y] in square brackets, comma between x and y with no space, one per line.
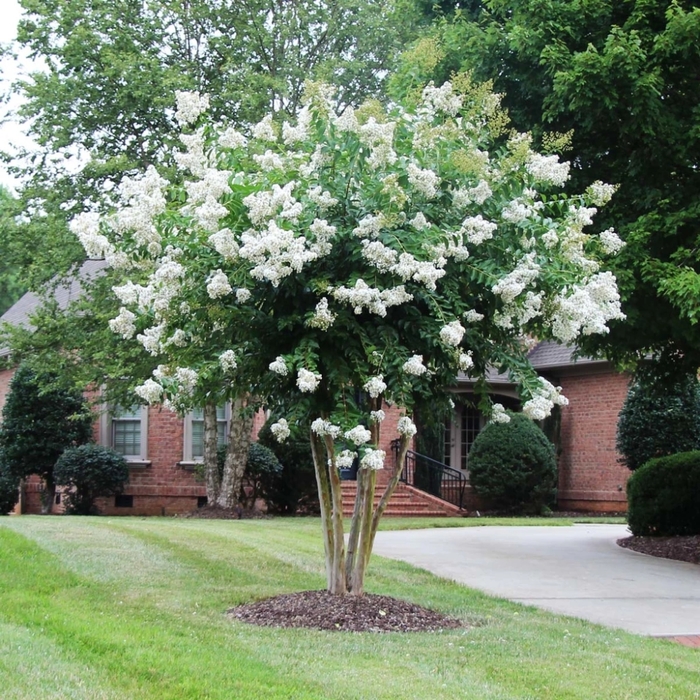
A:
[91,472]
[513,466]
[664,496]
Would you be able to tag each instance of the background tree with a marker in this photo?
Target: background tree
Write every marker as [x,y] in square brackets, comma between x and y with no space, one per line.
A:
[618,79]
[331,263]
[658,420]
[38,423]
[100,105]
[9,487]
[11,288]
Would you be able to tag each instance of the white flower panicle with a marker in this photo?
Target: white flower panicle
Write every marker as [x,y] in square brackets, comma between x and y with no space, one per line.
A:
[465,361]
[227,360]
[323,318]
[362,297]
[224,243]
[611,242]
[321,198]
[515,282]
[189,106]
[278,201]
[279,366]
[548,169]
[218,285]
[307,382]
[543,400]
[359,435]
[423,180]
[600,193]
[150,391]
[369,226]
[440,100]
[324,427]
[379,137]
[123,324]
[280,430]
[187,380]
[405,426]
[473,316]
[375,386]
[498,414]
[87,228]
[269,161]
[377,416]
[419,222]
[242,295]
[452,333]
[477,229]
[264,130]
[414,365]
[231,138]
[373,459]
[345,459]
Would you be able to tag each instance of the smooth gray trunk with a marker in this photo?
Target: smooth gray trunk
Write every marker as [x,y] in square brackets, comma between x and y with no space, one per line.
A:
[236,454]
[211,443]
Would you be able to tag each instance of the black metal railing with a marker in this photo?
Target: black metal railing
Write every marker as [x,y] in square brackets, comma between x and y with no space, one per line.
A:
[432,476]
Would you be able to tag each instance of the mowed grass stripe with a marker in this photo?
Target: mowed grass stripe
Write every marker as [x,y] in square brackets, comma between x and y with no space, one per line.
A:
[138,651]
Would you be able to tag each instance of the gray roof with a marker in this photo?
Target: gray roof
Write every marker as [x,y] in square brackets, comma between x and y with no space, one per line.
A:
[550,355]
[64,293]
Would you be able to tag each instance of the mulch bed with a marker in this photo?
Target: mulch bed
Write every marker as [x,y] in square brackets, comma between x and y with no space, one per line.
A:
[679,548]
[322,611]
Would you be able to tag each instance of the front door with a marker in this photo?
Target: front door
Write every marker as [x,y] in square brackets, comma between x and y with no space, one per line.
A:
[460,434]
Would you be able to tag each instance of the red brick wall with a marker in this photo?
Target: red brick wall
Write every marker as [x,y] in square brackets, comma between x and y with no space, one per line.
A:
[590,477]
[5,379]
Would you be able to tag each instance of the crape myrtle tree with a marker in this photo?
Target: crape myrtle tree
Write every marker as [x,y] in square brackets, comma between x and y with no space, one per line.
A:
[618,81]
[348,259]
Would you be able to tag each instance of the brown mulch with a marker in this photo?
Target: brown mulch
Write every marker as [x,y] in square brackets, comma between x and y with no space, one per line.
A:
[685,548]
[322,611]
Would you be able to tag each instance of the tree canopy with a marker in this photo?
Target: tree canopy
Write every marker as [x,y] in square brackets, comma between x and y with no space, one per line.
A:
[619,80]
[342,259]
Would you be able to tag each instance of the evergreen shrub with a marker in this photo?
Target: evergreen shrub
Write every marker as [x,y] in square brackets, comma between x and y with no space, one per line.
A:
[9,487]
[90,472]
[658,419]
[663,496]
[262,474]
[512,466]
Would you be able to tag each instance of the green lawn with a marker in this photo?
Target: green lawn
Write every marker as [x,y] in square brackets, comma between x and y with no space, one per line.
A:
[128,608]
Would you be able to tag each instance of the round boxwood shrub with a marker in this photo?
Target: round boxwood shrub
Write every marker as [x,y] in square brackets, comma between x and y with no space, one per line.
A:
[663,496]
[262,472]
[9,487]
[512,466]
[90,472]
[658,419]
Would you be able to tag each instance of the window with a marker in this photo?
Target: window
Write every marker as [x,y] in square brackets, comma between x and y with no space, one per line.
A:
[194,432]
[125,430]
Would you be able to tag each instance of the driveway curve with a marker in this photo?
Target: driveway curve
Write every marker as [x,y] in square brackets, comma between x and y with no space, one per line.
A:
[578,571]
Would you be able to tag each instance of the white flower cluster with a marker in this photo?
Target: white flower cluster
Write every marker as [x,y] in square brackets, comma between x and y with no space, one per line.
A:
[86,227]
[324,427]
[264,129]
[230,138]
[377,416]
[379,138]
[279,366]
[423,180]
[345,459]
[611,242]
[150,391]
[278,201]
[426,272]
[123,324]
[323,318]
[359,435]
[268,161]
[362,296]
[414,365]
[587,308]
[477,229]
[498,414]
[515,282]
[452,333]
[543,400]
[300,132]
[405,426]
[224,243]
[187,380]
[280,430]
[465,361]
[227,360]
[440,99]
[419,222]
[600,193]
[189,106]
[375,386]
[473,316]
[242,295]
[547,169]
[213,184]
[218,285]
[307,382]
[321,198]
[369,226]
[461,198]
[373,459]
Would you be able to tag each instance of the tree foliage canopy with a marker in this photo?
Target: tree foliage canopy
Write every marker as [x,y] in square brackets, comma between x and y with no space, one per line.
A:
[619,79]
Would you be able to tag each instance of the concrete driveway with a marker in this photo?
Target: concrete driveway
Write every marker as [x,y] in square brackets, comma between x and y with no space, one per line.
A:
[578,571]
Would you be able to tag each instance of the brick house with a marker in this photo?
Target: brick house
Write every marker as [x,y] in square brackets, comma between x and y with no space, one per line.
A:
[163,449]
